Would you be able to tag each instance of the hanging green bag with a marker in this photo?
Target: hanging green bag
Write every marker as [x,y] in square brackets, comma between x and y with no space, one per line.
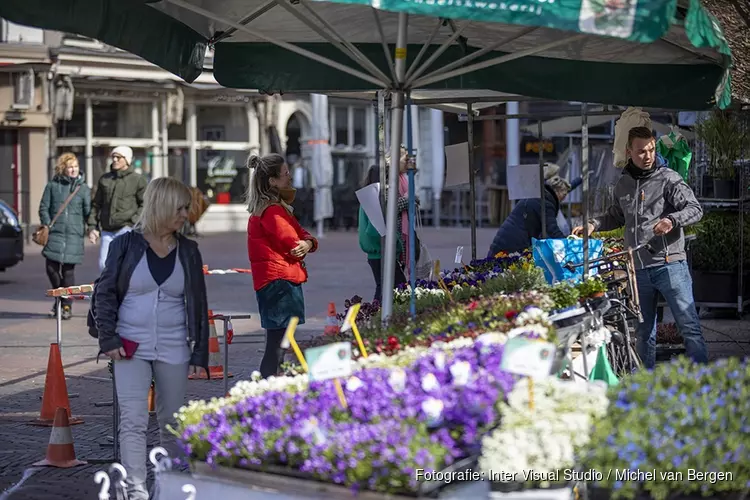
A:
[602,369]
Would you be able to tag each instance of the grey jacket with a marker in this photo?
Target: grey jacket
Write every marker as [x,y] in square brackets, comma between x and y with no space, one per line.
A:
[640,203]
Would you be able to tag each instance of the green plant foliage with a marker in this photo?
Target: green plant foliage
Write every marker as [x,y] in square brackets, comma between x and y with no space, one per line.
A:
[724,138]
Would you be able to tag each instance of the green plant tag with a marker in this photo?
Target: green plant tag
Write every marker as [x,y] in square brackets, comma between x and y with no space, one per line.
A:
[329,361]
[532,358]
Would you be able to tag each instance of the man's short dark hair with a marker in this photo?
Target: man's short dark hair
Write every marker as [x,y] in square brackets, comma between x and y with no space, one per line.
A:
[639,133]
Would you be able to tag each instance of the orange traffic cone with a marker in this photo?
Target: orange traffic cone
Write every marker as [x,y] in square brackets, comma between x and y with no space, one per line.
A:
[60,451]
[332,324]
[55,391]
[215,367]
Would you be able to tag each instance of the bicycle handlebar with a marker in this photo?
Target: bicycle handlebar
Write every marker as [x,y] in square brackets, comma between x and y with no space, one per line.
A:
[571,267]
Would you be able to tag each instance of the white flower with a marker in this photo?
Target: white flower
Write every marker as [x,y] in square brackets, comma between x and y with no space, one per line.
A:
[430,383]
[439,360]
[599,337]
[433,410]
[397,380]
[353,384]
[460,371]
[540,330]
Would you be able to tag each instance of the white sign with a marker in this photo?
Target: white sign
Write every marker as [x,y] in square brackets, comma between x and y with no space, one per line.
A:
[459,255]
[523,182]
[457,164]
[329,361]
[369,199]
[531,358]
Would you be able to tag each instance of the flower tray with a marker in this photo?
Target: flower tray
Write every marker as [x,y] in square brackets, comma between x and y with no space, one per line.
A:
[598,493]
[277,482]
[519,491]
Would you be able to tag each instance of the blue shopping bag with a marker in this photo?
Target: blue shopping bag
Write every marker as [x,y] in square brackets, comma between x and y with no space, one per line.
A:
[552,255]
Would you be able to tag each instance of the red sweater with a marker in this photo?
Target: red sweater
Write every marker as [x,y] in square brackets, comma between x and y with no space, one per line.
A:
[271,237]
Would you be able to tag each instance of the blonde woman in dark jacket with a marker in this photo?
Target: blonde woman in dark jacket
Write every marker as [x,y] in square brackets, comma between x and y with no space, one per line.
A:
[64,248]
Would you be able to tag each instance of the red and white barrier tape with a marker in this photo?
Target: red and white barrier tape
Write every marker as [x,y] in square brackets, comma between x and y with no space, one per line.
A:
[235,270]
[71,290]
[75,297]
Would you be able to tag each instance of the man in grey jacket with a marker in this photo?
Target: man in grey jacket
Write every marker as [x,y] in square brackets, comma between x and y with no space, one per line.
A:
[655,204]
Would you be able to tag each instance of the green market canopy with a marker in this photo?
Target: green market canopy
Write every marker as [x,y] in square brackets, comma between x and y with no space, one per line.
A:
[637,52]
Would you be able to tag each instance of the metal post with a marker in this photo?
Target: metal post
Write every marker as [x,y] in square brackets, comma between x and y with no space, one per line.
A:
[542,201]
[397,125]
[585,185]
[381,162]
[227,319]
[472,180]
[411,170]
[58,309]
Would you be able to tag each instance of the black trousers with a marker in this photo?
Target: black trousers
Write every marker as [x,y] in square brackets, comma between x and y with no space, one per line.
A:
[61,275]
[274,354]
[375,266]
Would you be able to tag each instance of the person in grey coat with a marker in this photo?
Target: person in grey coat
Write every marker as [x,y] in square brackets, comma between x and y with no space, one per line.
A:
[64,248]
[655,204]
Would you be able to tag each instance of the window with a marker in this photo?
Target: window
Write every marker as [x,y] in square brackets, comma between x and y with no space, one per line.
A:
[110,119]
[341,126]
[349,128]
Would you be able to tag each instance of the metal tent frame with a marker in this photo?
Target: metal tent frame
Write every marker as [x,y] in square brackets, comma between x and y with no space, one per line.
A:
[402,80]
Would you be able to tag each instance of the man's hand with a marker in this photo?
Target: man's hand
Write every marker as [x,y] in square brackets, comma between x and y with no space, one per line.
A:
[302,248]
[93,235]
[663,226]
[578,231]
[116,354]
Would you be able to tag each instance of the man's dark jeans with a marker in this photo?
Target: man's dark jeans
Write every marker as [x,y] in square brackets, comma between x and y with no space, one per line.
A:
[673,281]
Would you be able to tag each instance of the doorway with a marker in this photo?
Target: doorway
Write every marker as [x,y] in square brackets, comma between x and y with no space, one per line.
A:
[9,168]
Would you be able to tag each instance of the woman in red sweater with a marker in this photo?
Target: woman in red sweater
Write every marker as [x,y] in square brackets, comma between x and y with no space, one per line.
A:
[277,246]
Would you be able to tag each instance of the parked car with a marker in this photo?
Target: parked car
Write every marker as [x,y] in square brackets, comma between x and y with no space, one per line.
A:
[11,237]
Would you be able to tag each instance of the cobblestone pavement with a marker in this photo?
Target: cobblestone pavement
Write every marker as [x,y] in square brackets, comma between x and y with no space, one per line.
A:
[338,271]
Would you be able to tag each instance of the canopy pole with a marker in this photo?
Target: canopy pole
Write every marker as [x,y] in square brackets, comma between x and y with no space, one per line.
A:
[380,158]
[585,186]
[472,179]
[411,171]
[397,131]
[542,204]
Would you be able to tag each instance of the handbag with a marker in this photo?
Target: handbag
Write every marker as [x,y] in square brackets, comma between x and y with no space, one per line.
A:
[41,235]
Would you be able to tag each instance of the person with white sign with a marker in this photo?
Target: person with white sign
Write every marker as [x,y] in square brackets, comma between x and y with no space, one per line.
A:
[525,221]
[370,238]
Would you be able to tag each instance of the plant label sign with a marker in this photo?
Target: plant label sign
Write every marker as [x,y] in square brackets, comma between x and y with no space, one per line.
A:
[459,255]
[329,361]
[351,316]
[531,358]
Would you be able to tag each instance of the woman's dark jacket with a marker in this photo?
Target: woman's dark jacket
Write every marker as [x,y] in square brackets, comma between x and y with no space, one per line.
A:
[525,222]
[125,252]
[65,243]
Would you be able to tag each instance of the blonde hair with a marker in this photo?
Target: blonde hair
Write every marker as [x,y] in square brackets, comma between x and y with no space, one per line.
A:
[62,162]
[162,199]
[260,193]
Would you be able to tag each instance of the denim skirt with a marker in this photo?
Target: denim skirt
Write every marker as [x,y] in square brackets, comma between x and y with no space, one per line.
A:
[278,302]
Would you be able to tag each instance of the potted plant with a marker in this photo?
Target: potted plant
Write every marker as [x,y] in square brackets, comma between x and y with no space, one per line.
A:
[592,288]
[673,422]
[715,256]
[724,138]
[565,296]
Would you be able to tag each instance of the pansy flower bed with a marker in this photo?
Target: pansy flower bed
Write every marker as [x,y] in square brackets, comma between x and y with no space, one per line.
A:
[425,415]
[679,430]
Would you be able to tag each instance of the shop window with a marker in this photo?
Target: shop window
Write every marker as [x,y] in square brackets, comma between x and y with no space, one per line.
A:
[110,119]
[349,130]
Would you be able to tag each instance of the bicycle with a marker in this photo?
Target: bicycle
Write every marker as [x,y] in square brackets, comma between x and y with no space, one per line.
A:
[618,272]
